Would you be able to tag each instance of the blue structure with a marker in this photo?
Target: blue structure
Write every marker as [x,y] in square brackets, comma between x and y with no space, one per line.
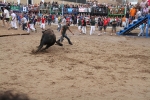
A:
[148,25]
[135,25]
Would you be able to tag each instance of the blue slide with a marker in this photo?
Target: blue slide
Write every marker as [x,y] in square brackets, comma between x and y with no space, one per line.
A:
[131,27]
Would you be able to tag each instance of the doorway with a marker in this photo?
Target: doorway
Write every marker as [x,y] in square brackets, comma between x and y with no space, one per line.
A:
[29,1]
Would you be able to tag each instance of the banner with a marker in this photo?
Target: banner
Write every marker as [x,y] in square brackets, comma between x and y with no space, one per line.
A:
[84,10]
[16,8]
[100,10]
[24,9]
[55,9]
[70,10]
[81,9]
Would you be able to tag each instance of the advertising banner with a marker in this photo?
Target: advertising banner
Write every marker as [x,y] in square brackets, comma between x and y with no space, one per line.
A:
[81,9]
[16,8]
[24,9]
[70,10]
[84,10]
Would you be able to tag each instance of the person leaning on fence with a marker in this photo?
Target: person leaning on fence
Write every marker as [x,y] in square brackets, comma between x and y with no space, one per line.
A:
[100,25]
[93,22]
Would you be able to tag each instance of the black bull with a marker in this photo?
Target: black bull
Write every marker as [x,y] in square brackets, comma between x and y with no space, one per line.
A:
[48,39]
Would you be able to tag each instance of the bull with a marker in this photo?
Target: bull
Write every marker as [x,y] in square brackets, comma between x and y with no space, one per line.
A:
[48,38]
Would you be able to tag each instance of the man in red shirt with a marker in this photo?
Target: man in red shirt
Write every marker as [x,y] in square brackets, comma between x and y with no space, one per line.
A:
[43,22]
[108,19]
[105,24]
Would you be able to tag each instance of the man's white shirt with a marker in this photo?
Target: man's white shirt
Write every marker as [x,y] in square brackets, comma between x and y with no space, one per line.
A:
[6,12]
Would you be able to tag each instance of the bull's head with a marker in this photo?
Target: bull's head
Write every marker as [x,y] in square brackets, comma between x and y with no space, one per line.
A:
[43,31]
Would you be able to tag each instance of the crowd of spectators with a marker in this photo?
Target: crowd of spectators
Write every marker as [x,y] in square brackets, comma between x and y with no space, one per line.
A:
[130,12]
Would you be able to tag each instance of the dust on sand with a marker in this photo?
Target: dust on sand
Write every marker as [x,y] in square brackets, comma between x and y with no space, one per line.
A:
[93,68]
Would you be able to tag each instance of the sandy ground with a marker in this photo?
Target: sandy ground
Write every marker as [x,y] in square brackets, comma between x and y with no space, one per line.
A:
[93,68]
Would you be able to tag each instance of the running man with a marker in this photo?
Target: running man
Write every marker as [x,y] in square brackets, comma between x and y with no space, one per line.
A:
[63,34]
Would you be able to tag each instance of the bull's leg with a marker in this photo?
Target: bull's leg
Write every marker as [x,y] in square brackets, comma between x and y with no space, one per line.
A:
[39,48]
[47,46]
[41,41]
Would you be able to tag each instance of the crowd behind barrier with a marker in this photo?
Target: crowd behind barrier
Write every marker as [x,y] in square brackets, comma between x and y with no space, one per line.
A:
[55,13]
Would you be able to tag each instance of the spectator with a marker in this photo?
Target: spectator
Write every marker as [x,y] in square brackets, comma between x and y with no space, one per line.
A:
[84,26]
[145,10]
[63,21]
[114,24]
[13,20]
[142,28]
[124,21]
[24,23]
[59,23]
[105,24]
[100,25]
[127,18]
[43,20]
[132,13]
[79,24]
[6,17]
[142,5]
[30,24]
[138,14]
[136,19]
[93,22]
[49,19]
